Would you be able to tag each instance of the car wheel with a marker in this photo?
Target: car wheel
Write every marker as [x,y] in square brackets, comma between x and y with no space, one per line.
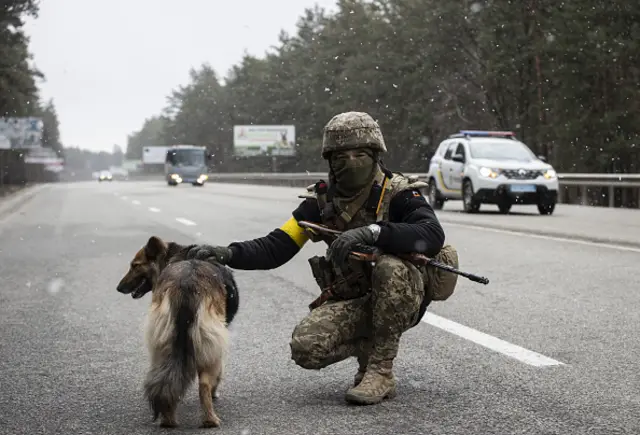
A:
[504,207]
[469,202]
[546,208]
[435,200]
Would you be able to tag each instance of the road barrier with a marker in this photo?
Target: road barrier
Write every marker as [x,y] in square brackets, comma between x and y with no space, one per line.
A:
[613,190]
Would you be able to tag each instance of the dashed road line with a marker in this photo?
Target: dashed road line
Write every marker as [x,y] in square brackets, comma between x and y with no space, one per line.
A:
[504,347]
[155,210]
[135,202]
[186,222]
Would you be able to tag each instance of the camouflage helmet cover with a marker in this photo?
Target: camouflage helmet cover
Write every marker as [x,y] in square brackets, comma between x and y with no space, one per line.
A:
[351,130]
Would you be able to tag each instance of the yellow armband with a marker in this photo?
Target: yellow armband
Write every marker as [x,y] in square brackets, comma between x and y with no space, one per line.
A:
[295,231]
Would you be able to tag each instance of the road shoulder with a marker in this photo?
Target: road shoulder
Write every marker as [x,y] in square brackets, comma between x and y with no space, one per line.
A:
[16,199]
[614,232]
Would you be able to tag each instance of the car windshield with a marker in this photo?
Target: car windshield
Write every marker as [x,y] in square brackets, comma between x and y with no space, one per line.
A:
[187,157]
[501,150]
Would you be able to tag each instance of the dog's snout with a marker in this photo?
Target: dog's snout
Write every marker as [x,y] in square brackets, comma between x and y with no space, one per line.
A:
[122,288]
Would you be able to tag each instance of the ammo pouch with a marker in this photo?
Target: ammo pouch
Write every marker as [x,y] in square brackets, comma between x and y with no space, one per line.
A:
[339,284]
[439,284]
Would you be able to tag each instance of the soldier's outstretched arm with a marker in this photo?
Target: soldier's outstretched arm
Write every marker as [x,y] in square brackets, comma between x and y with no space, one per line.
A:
[412,226]
[271,251]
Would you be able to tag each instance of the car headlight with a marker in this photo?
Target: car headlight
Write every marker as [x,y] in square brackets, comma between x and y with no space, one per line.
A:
[489,173]
[175,176]
[203,177]
[550,174]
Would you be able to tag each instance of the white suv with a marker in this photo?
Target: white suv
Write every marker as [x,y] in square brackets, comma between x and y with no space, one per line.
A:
[490,167]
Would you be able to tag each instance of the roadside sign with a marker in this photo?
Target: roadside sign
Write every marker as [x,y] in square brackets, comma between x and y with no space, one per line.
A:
[21,133]
[256,140]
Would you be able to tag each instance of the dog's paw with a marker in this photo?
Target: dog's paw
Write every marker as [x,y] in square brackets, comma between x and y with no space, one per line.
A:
[214,422]
[168,424]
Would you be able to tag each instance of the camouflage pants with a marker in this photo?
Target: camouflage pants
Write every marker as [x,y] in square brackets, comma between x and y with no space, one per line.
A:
[368,327]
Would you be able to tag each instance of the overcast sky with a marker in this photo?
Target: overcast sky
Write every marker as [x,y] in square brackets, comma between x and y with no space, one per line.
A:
[109,64]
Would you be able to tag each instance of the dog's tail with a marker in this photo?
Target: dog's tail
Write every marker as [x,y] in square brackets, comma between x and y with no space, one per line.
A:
[171,337]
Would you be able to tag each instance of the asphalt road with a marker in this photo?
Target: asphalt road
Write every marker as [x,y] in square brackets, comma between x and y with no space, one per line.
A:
[549,347]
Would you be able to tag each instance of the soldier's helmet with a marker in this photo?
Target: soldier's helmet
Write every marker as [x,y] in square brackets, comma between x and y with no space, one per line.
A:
[352,130]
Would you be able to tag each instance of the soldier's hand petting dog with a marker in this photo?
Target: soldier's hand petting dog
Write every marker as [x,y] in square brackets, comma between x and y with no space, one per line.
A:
[221,254]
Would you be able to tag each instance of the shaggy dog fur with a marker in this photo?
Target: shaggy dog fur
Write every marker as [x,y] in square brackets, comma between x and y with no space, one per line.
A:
[192,304]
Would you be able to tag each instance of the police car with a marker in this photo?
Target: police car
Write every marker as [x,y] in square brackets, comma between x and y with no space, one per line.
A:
[490,167]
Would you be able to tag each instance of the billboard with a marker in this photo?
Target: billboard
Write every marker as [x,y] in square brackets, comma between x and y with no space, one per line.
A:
[45,156]
[21,133]
[154,155]
[254,140]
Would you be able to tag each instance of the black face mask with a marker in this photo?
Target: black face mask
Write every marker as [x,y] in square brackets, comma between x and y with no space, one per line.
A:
[352,172]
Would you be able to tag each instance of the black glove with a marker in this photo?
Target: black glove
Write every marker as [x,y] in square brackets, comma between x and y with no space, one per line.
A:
[345,242]
[221,254]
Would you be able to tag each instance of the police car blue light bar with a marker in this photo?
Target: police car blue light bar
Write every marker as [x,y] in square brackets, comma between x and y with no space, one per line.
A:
[486,133]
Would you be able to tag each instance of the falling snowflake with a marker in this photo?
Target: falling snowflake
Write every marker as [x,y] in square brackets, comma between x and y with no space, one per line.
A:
[54,286]
[476,7]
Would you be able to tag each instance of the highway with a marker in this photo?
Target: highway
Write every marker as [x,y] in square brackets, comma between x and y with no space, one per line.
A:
[550,346]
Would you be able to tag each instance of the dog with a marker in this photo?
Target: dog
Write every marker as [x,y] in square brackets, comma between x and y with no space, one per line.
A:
[193,303]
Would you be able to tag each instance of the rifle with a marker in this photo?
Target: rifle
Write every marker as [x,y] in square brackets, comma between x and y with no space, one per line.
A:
[371,253]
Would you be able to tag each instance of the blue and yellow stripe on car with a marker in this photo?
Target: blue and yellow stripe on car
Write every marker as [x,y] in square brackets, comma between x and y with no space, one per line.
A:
[444,186]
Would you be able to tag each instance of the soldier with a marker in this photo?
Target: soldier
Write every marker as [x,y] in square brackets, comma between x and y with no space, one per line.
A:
[370,306]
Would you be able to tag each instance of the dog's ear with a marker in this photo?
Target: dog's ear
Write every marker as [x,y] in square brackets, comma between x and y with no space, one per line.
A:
[154,248]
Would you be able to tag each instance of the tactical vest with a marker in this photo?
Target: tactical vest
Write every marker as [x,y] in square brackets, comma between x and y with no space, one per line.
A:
[374,209]
[353,279]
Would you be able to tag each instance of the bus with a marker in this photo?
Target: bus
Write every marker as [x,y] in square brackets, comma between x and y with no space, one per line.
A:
[186,164]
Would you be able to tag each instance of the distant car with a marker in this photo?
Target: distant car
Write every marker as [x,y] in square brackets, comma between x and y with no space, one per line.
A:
[105,176]
[490,167]
[118,173]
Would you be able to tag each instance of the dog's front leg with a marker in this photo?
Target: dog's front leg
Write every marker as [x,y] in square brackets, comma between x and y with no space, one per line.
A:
[215,393]
[207,382]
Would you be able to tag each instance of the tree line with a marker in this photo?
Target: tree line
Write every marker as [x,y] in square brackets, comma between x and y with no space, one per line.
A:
[19,93]
[20,97]
[563,75]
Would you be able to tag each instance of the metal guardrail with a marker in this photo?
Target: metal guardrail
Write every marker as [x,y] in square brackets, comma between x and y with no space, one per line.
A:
[584,181]
[610,181]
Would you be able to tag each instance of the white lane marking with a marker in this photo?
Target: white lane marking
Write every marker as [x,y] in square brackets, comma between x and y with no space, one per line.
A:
[504,347]
[123,197]
[153,209]
[136,202]
[186,222]
[543,237]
